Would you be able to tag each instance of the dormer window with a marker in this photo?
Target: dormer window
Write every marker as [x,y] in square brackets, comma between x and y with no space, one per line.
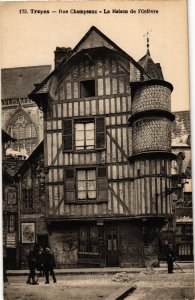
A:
[87,88]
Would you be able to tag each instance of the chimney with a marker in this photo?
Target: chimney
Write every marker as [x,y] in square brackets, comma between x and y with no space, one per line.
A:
[60,53]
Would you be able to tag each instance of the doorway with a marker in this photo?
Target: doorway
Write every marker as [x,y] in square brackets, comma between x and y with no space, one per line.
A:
[112,252]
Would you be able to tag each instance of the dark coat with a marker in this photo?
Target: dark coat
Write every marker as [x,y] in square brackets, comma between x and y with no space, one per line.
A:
[40,261]
[170,256]
[32,261]
[49,260]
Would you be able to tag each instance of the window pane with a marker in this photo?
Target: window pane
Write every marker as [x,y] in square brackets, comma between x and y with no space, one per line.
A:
[90,134]
[79,143]
[89,143]
[109,244]
[92,195]
[114,242]
[91,185]
[81,185]
[79,126]
[89,126]
[91,174]
[79,135]
[82,195]
[81,175]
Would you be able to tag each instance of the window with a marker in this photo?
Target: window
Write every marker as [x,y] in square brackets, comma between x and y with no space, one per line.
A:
[112,242]
[83,185]
[185,250]
[27,198]
[84,135]
[11,223]
[86,184]
[23,129]
[88,239]
[187,229]
[87,88]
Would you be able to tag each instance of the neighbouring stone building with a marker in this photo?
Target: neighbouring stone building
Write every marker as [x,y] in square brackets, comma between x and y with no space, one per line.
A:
[23,122]
[183,226]
[98,189]
[179,230]
[21,117]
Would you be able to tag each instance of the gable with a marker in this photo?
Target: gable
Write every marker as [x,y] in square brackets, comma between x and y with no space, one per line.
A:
[93,40]
[104,70]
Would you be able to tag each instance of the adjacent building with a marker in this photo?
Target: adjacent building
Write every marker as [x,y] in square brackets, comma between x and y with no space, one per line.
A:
[22,122]
[21,117]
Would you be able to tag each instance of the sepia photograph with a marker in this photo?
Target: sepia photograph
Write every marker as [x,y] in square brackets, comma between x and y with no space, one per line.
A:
[96,151]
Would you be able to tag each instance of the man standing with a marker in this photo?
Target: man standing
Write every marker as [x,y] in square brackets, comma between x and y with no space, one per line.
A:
[170,258]
[49,265]
[32,265]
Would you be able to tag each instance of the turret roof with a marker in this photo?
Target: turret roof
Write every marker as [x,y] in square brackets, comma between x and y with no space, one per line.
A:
[151,68]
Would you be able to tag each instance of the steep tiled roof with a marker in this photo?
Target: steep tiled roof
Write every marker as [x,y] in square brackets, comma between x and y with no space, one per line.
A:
[93,38]
[19,82]
[181,129]
[151,68]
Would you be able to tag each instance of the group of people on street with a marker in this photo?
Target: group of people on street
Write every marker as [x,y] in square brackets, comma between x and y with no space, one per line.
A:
[43,262]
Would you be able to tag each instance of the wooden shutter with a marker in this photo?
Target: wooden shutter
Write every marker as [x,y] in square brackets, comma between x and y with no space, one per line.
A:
[69,185]
[102,183]
[100,133]
[67,135]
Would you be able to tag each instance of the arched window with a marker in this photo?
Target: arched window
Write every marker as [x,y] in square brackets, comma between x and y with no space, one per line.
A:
[22,128]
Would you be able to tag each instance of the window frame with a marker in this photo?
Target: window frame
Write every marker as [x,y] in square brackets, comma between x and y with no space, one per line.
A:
[70,184]
[89,240]
[27,198]
[11,223]
[83,121]
[80,88]
[69,137]
[87,200]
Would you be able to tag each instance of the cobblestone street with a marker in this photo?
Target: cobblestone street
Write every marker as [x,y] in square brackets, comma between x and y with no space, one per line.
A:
[148,284]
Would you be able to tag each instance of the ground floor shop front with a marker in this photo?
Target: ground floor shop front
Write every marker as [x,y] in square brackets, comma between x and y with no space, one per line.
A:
[103,243]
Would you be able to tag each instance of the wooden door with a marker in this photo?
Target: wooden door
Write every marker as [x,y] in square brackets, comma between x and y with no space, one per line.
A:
[11,263]
[112,252]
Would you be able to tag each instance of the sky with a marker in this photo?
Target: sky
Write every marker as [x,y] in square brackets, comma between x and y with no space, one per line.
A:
[29,39]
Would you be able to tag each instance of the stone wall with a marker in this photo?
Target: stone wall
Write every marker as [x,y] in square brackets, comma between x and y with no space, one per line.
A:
[64,243]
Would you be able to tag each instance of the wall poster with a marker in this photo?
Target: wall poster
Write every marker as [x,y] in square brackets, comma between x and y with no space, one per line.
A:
[28,233]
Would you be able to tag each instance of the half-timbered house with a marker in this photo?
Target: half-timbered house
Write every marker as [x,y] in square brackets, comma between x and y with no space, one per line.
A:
[107,153]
